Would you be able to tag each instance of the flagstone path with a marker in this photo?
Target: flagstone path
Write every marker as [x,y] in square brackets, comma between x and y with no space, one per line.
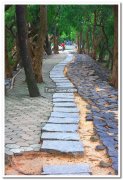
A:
[63,130]
[60,133]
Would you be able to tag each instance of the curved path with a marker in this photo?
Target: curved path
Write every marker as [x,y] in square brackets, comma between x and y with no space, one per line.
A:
[60,133]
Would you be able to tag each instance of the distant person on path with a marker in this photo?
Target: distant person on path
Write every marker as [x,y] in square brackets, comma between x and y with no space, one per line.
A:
[63,46]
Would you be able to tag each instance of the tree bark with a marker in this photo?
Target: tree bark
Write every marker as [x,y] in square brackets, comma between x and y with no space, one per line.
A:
[55,41]
[39,50]
[8,71]
[23,44]
[81,45]
[93,36]
[78,43]
[18,56]
[47,46]
[87,42]
[107,44]
[115,58]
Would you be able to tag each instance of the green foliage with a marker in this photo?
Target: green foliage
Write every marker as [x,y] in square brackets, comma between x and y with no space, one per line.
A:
[32,14]
[66,20]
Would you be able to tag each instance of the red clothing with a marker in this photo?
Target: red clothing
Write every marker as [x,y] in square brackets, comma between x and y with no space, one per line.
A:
[63,44]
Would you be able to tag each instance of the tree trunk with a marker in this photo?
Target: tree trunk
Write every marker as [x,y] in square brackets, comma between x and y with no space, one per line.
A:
[8,71]
[93,37]
[81,45]
[87,42]
[107,44]
[47,46]
[115,58]
[55,41]
[24,52]
[18,57]
[39,50]
[78,43]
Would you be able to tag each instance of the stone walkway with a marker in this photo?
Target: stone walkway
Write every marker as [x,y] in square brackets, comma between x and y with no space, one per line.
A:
[60,133]
[24,116]
[90,80]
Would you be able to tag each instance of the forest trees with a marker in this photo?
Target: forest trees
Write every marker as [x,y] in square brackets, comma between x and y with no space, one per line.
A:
[39,49]
[23,43]
[92,27]
[115,58]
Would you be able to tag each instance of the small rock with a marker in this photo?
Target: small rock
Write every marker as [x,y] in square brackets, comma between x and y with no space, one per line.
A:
[8,159]
[104,164]
[116,146]
[99,147]
[89,117]
[94,138]
[116,138]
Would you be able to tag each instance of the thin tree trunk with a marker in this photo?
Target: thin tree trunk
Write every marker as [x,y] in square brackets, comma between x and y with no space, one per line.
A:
[93,37]
[47,46]
[78,43]
[56,48]
[107,44]
[115,59]
[18,57]
[23,44]
[8,71]
[87,42]
[37,61]
[81,45]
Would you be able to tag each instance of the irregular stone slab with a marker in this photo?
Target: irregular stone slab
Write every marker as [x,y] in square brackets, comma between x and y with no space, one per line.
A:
[58,78]
[73,147]
[83,169]
[61,81]
[65,97]
[64,114]
[60,136]
[63,100]
[60,127]
[58,75]
[64,85]
[59,95]
[13,146]
[64,104]
[65,89]
[63,109]
[63,120]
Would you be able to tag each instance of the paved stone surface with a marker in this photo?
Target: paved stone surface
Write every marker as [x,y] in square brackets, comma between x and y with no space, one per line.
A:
[63,95]
[64,109]
[63,119]
[24,115]
[103,100]
[60,127]
[66,100]
[65,104]
[75,169]
[71,147]
[64,114]
[60,136]
[56,120]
